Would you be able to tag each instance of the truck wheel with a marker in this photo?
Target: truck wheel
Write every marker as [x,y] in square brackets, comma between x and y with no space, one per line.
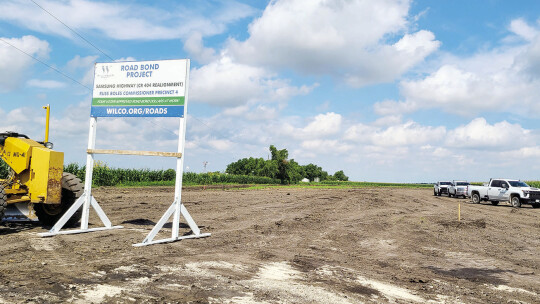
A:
[72,189]
[515,202]
[475,198]
[494,203]
[537,205]
[3,202]
[434,192]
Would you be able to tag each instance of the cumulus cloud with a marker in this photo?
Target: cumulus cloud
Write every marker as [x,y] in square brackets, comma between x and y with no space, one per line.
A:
[503,79]
[323,125]
[84,64]
[124,21]
[347,39]
[195,48]
[525,152]
[45,84]
[479,134]
[409,133]
[14,64]
[523,30]
[225,82]
[394,108]
[79,62]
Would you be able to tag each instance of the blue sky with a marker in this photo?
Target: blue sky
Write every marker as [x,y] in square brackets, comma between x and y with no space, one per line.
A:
[396,91]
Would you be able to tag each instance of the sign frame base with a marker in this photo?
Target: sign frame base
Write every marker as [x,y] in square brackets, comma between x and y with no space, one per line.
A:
[176,210]
[55,230]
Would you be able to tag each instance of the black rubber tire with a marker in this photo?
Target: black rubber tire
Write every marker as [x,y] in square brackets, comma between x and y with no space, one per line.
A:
[536,205]
[72,189]
[515,201]
[494,203]
[475,197]
[434,192]
[3,202]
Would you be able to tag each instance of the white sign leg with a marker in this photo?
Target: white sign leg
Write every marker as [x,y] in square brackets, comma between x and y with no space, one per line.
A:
[177,208]
[86,199]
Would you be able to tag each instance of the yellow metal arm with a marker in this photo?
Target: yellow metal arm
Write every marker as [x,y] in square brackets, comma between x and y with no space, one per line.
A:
[48,108]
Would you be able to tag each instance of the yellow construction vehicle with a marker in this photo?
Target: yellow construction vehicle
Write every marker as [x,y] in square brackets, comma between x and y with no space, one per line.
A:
[36,187]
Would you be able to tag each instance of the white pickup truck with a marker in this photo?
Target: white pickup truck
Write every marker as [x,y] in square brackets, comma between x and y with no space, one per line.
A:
[498,190]
[441,188]
[458,188]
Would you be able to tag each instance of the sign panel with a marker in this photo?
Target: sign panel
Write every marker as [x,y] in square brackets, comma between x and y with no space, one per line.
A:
[139,89]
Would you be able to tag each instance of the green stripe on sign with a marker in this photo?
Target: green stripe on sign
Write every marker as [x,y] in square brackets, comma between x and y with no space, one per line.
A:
[139,101]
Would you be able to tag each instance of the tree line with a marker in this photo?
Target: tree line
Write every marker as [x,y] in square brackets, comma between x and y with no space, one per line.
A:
[288,171]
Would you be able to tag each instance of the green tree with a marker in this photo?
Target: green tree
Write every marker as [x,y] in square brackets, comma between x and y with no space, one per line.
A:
[283,164]
[312,171]
[280,167]
[340,176]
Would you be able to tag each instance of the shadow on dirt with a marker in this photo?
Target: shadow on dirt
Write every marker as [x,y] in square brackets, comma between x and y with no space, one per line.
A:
[481,223]
[147,222]
[478,275]
[7,228]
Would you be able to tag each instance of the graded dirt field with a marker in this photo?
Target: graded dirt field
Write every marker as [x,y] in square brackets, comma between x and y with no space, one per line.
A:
[287,245]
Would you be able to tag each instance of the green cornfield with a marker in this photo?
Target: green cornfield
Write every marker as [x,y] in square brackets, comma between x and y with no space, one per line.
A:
[106,176]
[375,184]
[103,175]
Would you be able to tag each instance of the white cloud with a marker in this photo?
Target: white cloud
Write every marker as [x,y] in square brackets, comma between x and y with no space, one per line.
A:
[504,79]
[124,21]
[525,152]
[220,144]
[323,125]
[227,83]
[79,62]
[522,29]
[325,146]
[479,134]
[409,133]
[347,39]
[45,84]
[388,120]
[195,48]
[14,64]
[391,107]
[85,64]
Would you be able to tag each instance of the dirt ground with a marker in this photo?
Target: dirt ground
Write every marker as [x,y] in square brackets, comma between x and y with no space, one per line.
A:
[283,246]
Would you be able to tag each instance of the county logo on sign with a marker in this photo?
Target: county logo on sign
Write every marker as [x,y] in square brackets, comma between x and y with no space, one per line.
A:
[104,71]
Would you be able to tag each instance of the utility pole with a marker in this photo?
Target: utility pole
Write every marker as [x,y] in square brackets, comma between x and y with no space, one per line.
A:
[204,166]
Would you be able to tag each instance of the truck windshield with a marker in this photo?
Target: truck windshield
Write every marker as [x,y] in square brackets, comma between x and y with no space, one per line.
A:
[517,184]
[445,183]
[462,183]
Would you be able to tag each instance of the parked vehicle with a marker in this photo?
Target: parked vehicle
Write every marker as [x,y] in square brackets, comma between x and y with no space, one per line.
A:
[458,188]
[498,190]
[441,188]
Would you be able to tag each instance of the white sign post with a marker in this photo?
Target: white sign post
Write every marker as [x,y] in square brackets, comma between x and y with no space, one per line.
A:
[137,89]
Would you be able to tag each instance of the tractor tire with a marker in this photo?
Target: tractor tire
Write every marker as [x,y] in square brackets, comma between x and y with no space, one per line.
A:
[515,201]
[494,203]
[475,198]
[3,202]
[72,189]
